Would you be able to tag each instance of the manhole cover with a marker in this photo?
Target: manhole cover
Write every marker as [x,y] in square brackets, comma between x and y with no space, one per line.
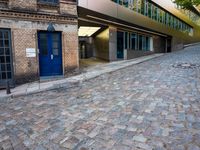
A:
[186,66]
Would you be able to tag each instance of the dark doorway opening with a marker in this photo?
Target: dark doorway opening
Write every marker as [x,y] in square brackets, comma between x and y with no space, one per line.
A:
[169,45]
[120,45]
[86,47]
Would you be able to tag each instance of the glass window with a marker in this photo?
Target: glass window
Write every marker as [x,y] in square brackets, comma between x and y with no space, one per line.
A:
[121,2]
[143,43]
[183,28]
[132,5]
[126,40]
[3,67]
[2,43]
[158,13]
[148,43]
[6,43]
[55,51]
[3,74]
[134,41]
[150,10]
[7,59]
[9,75]
[166,18]
[55,41]
[176,24]
[139,5]
[116,1]
[169,20]
[8,67]
[1,51]
[172,22]
[1,35]
[125,3]
[2,59]
[161,16]
[180,25]
[43,44]
[7,51]
[155,13]
[140,42]
[143,7]
[146,8]
[6,36]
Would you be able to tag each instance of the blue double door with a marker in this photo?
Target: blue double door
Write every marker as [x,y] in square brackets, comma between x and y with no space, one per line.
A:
[50,53]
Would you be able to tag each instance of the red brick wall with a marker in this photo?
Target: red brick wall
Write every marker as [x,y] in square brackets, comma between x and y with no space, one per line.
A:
[23,4]
[25,69]
[70,51]
[68,8]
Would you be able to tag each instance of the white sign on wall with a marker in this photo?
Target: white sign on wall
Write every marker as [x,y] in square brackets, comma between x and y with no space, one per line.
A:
[30,52]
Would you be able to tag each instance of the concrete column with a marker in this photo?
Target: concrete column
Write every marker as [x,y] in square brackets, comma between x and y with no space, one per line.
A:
[112,43]
[151,44]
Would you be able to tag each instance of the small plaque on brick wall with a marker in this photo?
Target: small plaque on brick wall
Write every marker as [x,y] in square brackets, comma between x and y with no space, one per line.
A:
[30,52]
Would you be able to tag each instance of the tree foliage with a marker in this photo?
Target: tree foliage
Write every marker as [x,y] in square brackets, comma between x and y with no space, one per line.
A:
[187,4]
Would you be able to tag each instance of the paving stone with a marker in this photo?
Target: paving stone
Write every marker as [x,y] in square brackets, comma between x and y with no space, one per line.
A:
[11,122]
[143,146]
[196,125]
[193,147]
[140,138]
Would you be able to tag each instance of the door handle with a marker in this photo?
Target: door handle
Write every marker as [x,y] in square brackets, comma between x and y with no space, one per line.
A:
[51,56]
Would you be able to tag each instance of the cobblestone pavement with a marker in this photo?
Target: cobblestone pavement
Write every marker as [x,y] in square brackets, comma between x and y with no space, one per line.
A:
[152,105]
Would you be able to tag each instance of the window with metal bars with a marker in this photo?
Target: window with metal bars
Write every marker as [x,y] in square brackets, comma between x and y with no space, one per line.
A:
[5,56]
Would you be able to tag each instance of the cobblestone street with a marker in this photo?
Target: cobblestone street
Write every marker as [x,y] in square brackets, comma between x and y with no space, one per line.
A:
[153,105]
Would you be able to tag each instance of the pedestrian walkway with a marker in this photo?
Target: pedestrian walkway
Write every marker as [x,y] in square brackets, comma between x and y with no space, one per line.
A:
[90,73]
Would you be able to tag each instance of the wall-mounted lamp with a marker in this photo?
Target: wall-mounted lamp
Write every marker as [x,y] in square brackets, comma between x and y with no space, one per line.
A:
[50,27]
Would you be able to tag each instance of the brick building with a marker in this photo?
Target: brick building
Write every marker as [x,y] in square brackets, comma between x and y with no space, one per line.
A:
[36,36]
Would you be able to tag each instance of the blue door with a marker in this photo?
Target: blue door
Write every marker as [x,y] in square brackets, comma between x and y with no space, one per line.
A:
[50,53]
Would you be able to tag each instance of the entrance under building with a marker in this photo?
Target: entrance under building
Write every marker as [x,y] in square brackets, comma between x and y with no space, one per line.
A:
[87,38]
[169,42]
[93,44]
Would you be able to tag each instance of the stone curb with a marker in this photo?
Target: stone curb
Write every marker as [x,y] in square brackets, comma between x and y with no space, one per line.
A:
[193,44]
[77,80]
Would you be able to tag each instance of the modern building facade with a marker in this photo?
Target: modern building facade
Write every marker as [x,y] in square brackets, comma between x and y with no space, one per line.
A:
[45,38]
[38,38]
[132,28]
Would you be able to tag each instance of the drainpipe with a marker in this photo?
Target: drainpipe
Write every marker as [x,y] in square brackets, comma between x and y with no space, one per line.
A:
[7,87]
